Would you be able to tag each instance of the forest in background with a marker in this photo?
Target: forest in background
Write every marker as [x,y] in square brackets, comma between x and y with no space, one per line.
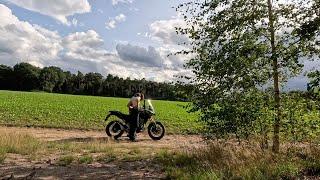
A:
[26,77]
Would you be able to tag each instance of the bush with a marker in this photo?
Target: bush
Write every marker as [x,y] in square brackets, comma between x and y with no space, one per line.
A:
[65,160]
[231,161]
[86,159]
[312,162]
[107,158]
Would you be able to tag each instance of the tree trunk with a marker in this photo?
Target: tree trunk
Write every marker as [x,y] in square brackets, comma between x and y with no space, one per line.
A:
[276,141]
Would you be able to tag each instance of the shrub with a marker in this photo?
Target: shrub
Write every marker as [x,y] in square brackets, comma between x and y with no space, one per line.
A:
[86,159]
[65,160]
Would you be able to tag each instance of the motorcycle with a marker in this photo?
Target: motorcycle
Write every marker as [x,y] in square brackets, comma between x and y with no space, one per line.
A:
[116,128]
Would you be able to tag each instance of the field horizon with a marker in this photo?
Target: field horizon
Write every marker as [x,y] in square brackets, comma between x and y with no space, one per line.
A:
[65,111]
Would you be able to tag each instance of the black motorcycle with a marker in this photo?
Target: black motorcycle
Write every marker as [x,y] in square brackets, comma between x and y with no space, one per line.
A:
[116,128]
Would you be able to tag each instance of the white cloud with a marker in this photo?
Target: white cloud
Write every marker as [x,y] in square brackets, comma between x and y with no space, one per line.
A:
[134,9]
[20,40]
[58,9]
[136,54]
[171,60]
[164,31]
[85,46]
[120,18]
[74,22]
[112,23]
[84,51]
[115,2]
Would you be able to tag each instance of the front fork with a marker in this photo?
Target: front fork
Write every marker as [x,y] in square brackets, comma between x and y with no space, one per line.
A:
[152,120]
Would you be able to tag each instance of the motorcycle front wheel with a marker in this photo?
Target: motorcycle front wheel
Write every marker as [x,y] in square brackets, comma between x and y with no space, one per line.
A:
[156,130]
[115,129]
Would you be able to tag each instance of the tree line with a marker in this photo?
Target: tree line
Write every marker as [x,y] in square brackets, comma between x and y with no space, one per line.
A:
[26,77]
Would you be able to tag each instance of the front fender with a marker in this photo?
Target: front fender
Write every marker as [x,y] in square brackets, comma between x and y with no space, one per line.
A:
[107,117]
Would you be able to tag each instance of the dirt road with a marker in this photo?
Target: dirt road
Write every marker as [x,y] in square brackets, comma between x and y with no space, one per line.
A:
[170,141]
[21,167]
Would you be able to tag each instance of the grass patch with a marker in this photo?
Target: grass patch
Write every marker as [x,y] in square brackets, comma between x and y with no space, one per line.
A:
[312,161]
[135,154]
[85,159]
[287,170]
[65,160]
[3,155]
[19,143]
[98,147]
[80,147]
[107,152]
[107,158]
[217,161]
[179,165]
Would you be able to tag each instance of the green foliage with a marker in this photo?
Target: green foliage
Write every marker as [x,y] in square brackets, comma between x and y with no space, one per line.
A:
[234,115]
[85,159]
[65,160]
[314,84]
[6,77]
[26,77]
[93,83]
[265,170]
[311,161]
[238,46]
[107,158]
[83,112]
[230,161]
[51,78]
[301,117]
[182,166]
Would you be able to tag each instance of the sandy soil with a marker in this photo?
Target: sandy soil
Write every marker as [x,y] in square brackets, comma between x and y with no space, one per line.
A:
[22,168]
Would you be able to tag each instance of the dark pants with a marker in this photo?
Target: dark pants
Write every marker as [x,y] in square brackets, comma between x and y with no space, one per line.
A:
[133,123]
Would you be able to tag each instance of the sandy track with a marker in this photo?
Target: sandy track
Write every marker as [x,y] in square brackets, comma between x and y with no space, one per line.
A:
[169,141]
[115,170]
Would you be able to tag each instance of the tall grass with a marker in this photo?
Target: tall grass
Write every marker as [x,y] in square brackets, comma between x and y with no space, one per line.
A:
[231,161]
[18,143]
[3,155]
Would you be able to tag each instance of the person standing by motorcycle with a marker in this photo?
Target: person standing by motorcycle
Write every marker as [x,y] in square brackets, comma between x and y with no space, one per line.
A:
[133,106]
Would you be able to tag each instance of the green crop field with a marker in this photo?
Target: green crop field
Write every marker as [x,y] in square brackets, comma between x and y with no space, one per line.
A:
[37,109]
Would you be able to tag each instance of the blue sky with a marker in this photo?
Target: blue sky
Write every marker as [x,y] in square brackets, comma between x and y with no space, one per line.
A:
[139,15]
[127,38]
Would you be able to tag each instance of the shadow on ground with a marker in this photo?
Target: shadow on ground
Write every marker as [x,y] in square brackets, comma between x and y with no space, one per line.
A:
[100,139]
[116,170]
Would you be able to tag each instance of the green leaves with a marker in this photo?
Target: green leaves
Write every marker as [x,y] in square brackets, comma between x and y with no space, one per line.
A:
[314,84]
[242,45]
[51,77]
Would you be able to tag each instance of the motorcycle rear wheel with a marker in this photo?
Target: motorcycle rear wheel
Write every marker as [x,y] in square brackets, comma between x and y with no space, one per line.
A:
[156,130]
[115,129]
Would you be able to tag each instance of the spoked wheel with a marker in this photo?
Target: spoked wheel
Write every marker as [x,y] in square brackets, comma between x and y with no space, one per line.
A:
[115,129]
[156,130]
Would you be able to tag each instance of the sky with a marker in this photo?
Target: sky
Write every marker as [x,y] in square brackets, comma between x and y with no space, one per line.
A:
[127,38]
